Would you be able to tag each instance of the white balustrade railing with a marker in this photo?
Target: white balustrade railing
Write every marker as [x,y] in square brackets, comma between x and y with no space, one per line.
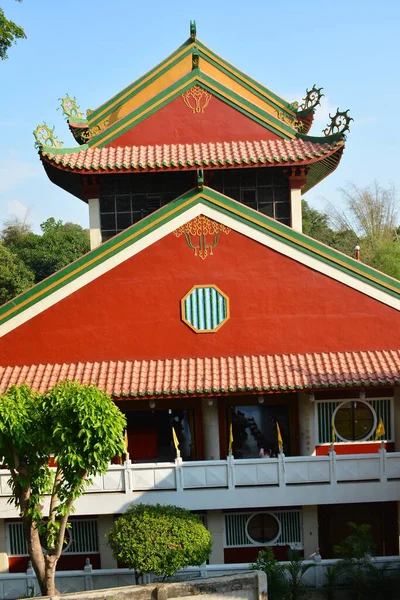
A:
[20,585]
[331,469]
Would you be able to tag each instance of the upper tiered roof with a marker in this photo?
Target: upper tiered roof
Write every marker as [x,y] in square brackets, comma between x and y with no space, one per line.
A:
[192,83]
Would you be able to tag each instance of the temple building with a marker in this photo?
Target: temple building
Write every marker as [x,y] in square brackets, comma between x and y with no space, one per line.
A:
[203,306]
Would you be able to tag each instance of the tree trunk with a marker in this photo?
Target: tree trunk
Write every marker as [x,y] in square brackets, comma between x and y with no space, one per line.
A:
[50,575]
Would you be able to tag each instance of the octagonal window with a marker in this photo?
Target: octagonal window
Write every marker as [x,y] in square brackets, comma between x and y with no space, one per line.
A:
[205,308]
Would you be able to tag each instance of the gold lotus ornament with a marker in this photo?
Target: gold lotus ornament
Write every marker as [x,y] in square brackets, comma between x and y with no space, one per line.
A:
[196,98]
[202,235]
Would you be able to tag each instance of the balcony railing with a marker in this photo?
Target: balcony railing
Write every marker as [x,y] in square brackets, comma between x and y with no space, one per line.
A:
[282,472]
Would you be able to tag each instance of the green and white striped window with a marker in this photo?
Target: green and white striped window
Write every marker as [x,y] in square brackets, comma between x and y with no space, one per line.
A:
[290,523]
[382,408]
[205,308]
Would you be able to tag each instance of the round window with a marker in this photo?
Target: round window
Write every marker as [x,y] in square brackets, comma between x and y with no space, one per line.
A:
[263,528]
[354,420]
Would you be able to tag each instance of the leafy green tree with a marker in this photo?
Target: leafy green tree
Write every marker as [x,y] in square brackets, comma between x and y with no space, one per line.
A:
[10,32]
[296,569]
[15,276]
[316,224]
[355,552]
[278,585]
[82,427]
[59,245]
[159,539]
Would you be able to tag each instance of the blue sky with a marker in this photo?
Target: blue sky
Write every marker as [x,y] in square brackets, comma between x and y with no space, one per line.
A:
[91,49]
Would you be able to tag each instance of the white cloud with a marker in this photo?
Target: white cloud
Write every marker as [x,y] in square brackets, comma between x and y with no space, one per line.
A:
[14,172]
[18,209]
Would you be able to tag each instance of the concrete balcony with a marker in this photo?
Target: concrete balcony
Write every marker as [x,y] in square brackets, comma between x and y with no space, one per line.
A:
[243,483]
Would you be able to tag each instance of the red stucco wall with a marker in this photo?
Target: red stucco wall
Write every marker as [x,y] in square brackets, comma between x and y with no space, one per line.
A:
[177,124]
[133,311]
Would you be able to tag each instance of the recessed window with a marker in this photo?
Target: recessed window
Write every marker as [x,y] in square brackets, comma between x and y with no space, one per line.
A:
[354,420]
[263,528]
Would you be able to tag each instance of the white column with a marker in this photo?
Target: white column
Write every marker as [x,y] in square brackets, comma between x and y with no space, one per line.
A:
[94,222]
[396,411]
[104,524]
[310,530]
[295,210]
[3,548]
[306,425]
[210,428]
[216,526]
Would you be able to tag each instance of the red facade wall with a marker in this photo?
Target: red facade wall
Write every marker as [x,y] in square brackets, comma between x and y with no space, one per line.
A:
[177,124]
[133,311]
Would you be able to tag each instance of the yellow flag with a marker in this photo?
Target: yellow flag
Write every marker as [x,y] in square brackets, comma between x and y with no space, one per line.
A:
[230,438]
[380,430]
[280,442]
[333,436]
[176,443]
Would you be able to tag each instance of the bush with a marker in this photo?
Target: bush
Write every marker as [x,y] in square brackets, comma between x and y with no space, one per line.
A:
[159,539]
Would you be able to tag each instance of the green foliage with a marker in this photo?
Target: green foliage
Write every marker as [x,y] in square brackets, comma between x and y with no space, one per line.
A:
[59,245]
[355,552]
[278,586]
[10,32]
[27,258]
[296,569]
[82,427]
[15,276]
[159,539]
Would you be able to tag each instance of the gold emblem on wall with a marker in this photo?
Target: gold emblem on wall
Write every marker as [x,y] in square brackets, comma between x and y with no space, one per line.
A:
[196,99]
[202,235]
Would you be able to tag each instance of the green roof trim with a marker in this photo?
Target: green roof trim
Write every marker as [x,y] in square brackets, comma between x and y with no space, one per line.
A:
[128,92]
[251,84]
[222,204]
[191,46]
[261,117]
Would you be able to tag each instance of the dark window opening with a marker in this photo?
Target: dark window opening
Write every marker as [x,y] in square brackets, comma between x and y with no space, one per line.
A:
[264,189]
[128,198]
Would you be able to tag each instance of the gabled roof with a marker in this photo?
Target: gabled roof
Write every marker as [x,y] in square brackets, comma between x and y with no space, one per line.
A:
[176,157]
[193,62]
[247,221]
[219,375]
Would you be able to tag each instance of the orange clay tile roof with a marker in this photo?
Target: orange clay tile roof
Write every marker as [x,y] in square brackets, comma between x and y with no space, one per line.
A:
[207,155]
[222,375]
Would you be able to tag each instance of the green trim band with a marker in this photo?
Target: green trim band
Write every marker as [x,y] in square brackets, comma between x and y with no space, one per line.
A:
[222,204]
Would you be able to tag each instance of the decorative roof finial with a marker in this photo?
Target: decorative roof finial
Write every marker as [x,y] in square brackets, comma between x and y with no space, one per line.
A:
[313,98]
[193,30]
[340,123]
[70,107]
[44,136]
[200,179]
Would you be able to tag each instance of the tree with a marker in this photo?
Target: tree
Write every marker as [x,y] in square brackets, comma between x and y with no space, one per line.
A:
[59,245]
[159,539]
[15,276]
[10,32]
[355,552]
[82,427]
[278,585]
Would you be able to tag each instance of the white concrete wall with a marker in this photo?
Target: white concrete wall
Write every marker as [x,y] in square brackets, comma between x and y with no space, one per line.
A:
[104,524]
[210,429]
[216,526]
[94,222]
[306,425]
[296,220]
[310,530]
[3,548]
